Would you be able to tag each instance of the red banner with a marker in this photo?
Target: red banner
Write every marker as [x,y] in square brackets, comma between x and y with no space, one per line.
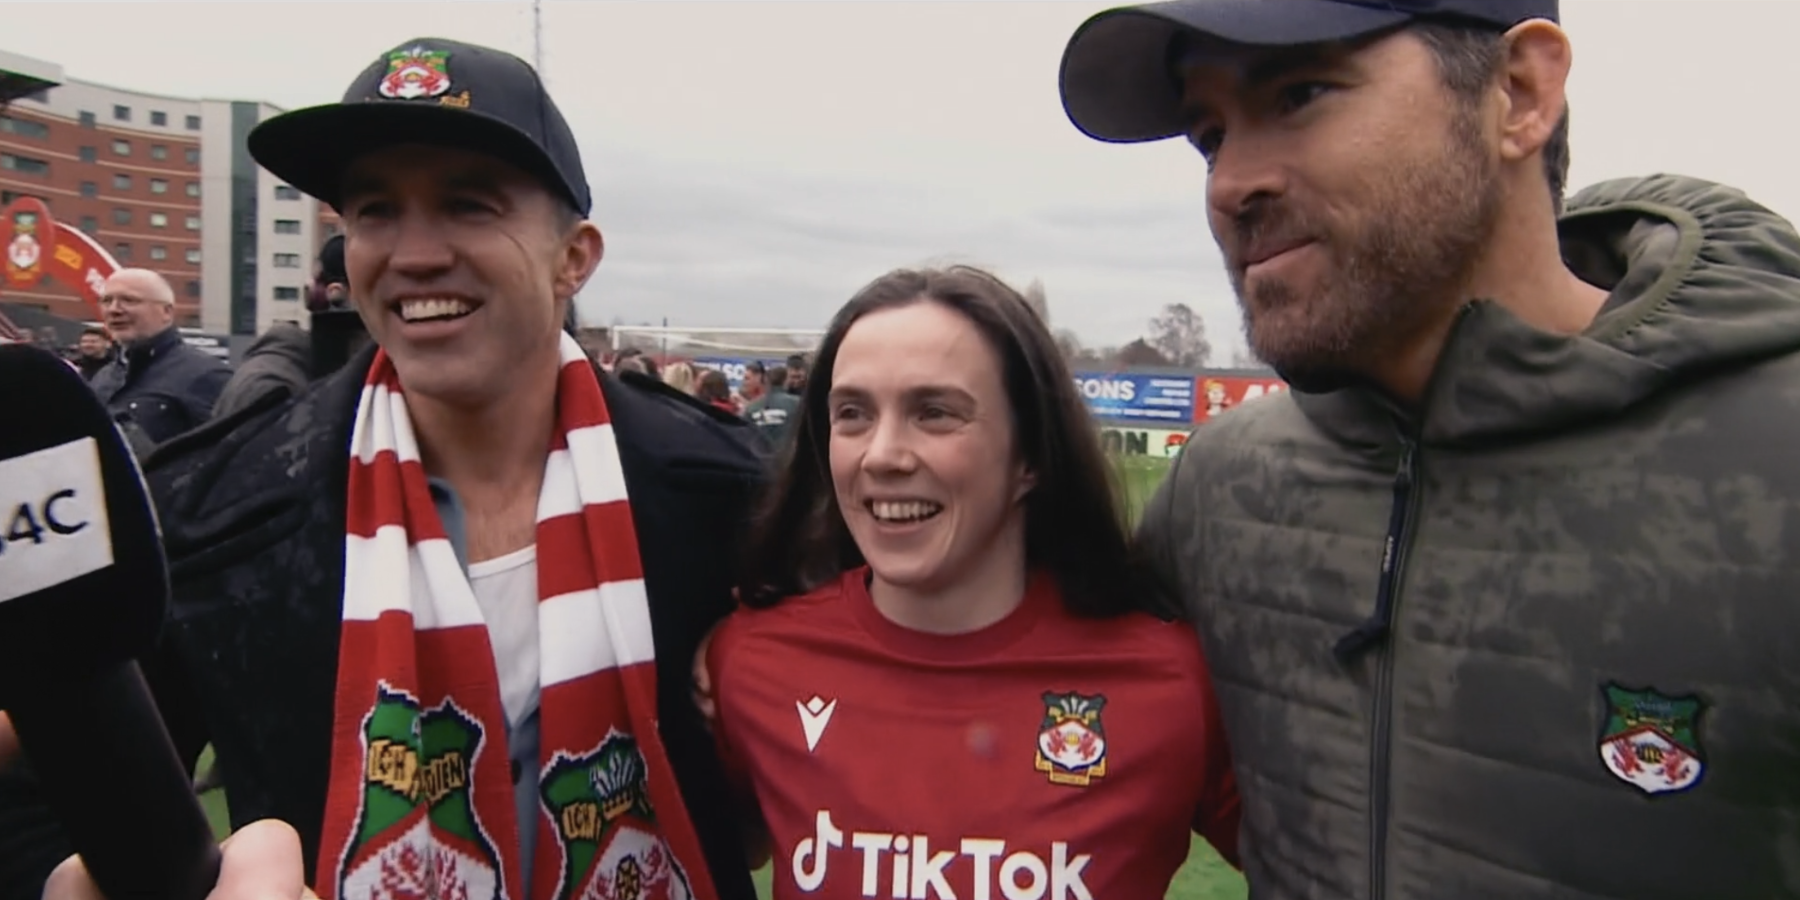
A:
[30,239]
[82,264]
[37,245]
[1214,394]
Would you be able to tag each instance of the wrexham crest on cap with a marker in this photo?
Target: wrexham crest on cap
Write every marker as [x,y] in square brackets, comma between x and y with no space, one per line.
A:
[1651,740]
[416,73]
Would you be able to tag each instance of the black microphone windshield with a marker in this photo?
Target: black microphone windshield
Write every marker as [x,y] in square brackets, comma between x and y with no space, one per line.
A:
[83,583]
[83,588]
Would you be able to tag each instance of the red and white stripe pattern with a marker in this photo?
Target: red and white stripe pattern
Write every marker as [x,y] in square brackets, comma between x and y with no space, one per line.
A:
[411,622]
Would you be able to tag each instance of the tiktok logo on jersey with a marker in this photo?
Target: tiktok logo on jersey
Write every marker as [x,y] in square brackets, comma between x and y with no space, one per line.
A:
[908,869]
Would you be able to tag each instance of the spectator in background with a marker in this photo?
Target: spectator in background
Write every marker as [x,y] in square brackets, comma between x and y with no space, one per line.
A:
[93,352]
[714,389]
[650,367]
[679,376]
[773,413]
[284,359]
[796,373]
[158,387]
[755,383]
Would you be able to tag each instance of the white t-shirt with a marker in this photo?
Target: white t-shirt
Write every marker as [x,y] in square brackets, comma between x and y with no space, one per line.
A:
[506,589]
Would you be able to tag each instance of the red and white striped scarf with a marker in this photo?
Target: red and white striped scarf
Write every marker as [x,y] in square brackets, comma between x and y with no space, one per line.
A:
[421,801]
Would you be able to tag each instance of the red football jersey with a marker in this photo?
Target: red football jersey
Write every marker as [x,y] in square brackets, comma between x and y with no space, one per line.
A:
[1042,757]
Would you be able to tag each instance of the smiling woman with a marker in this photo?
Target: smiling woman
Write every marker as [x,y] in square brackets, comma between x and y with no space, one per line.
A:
[944,582]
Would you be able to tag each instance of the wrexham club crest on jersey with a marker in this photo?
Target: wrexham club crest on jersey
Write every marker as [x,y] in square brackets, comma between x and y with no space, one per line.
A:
[416,73]
[1651,740]
[1071,742]
[600,806]
[416,834]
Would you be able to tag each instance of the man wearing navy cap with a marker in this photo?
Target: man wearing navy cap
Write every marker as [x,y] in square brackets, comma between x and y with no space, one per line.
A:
[435,613]
[1500,599]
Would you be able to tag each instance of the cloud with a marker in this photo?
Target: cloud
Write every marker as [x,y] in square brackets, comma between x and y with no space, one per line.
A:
[757,246]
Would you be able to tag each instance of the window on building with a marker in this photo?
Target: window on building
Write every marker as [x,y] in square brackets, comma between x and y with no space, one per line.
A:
[24,165]
[159,118]
[87,119]
[121,148]
[193,223]
[121,216]
[158,251]
[193,289]
[287,260]
[193,156]
[159,220]
[159,186]
[193,255]
[193,189]
[158,151]
[90,224]
[8,197]
[121,250]
[121,182]
[89,154]
[286,192]
[121,113]
[193,123]
[24,127]
[287,293]
[90,189]
[287,226]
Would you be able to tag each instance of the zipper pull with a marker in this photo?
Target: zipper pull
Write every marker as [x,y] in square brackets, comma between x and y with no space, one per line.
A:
[1374,629]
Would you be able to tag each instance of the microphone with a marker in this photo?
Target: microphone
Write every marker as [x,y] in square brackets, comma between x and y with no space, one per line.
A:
[83,586]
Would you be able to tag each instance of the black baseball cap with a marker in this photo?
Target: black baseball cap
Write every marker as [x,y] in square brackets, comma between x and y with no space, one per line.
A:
[1118,82]
[428,91]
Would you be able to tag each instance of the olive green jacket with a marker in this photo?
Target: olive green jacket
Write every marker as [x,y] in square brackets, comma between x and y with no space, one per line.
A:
[1577,673]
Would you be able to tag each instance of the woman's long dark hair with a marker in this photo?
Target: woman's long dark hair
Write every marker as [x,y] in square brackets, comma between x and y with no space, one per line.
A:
[1074,526]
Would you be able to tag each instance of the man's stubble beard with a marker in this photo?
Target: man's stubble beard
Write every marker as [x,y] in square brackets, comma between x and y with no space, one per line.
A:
[1416,243]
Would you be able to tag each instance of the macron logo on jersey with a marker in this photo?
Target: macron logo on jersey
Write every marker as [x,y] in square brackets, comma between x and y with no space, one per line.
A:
[815,714]
[914,871]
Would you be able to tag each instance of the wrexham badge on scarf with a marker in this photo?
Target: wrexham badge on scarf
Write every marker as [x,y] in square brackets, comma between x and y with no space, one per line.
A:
[420,804]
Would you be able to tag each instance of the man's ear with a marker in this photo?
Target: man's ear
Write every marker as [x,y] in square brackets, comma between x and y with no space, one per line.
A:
[1536,74]
[582,251]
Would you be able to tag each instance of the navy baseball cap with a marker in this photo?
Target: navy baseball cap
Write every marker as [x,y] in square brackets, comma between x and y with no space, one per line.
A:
[428,91]
[1118,84]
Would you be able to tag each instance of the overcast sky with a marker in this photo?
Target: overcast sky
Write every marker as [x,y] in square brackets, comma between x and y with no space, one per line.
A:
[753,163]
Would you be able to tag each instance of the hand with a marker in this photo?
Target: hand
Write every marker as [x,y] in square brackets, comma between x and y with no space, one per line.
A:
[703,698]
[9,742]
[262,861]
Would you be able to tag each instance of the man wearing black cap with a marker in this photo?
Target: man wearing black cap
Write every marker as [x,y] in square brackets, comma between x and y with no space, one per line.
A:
[1500,598]
[436,613]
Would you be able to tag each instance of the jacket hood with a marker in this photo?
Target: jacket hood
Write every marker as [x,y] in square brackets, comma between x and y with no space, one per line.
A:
[1700,278]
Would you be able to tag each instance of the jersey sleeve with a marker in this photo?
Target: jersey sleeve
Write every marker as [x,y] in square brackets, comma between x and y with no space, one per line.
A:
[720,646]
[1218,814]
[726,640]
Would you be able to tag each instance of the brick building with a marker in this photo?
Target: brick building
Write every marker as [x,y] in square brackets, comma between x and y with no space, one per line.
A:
[163,183]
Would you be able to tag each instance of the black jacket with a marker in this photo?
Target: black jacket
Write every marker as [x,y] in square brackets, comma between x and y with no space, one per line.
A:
[278,361]
[252,508]
[161,386]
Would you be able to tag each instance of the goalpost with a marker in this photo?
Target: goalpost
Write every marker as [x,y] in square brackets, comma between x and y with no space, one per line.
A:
[703,345]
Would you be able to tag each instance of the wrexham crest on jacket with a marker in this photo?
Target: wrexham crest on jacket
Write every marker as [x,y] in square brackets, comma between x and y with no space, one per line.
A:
[1071,742]
[416,833]
[599,804]
[1651,740]
[416,73]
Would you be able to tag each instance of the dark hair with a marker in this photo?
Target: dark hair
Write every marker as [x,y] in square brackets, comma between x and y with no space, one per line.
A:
[95,330]
[1074,527]
[776,376]
[712,386]
[796,363]
[1469,58]
[754,365]
[331,261]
